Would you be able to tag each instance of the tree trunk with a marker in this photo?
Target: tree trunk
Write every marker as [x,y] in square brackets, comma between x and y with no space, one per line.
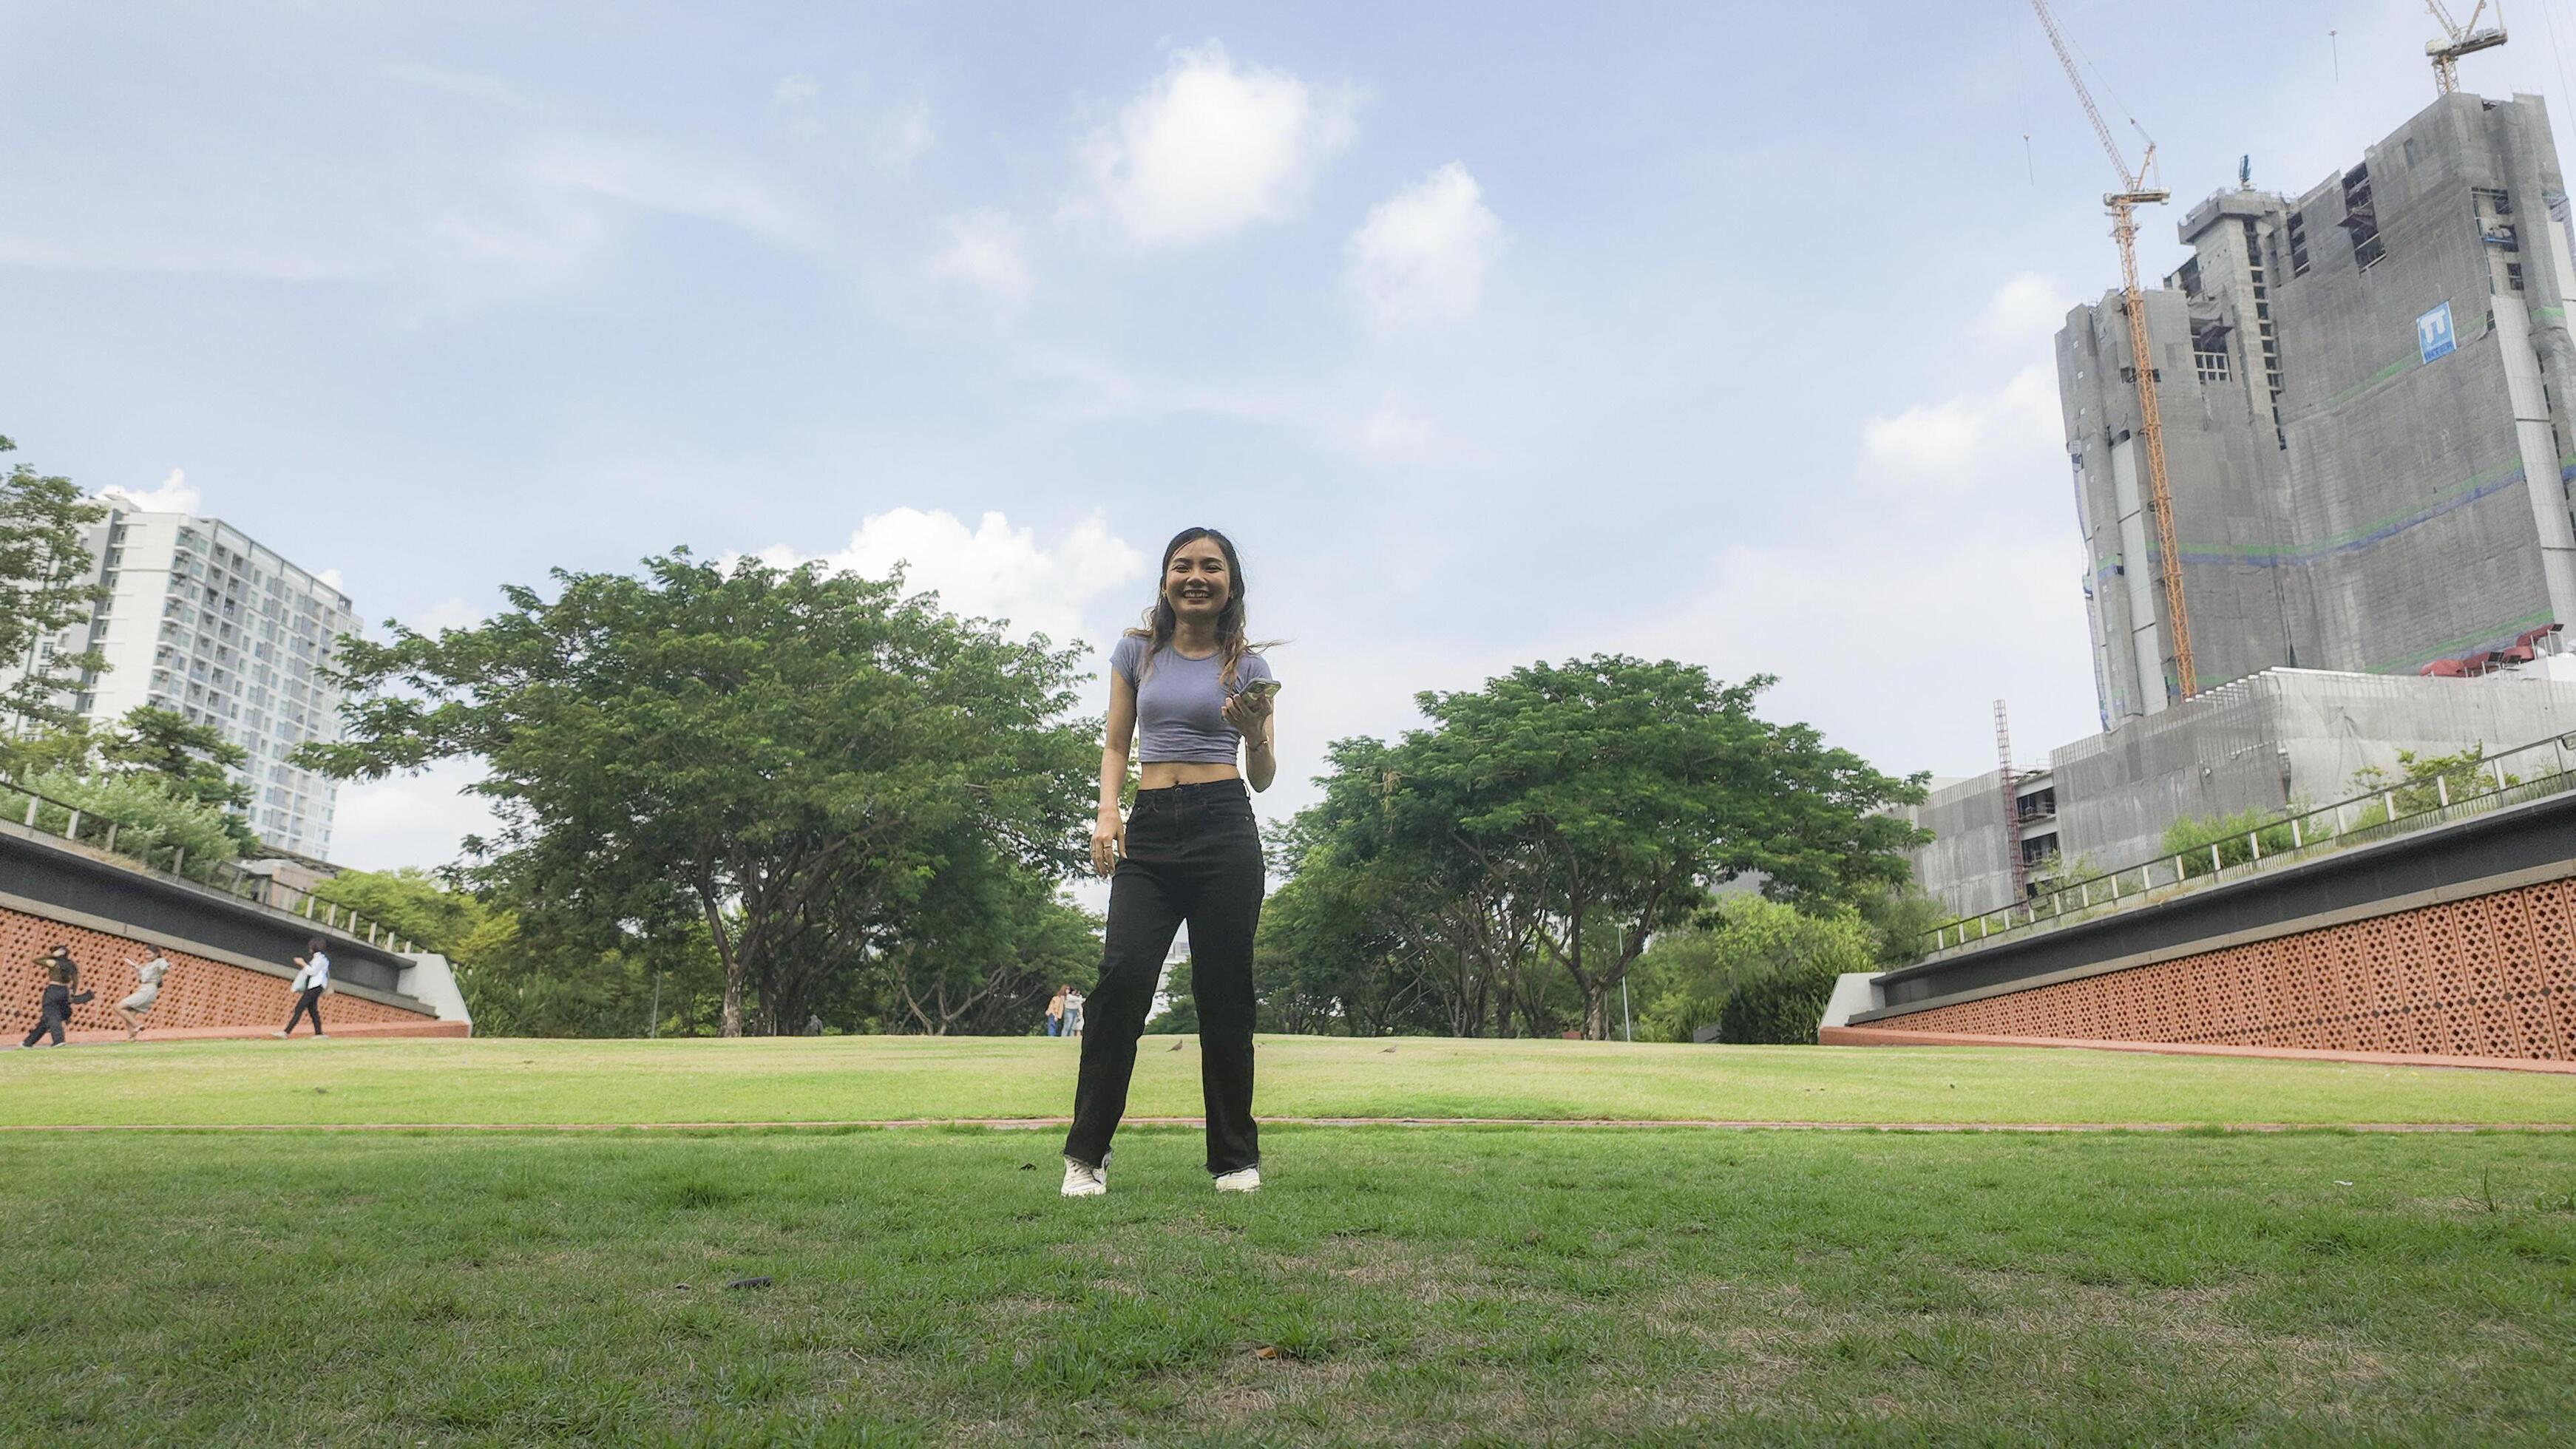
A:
[734,970]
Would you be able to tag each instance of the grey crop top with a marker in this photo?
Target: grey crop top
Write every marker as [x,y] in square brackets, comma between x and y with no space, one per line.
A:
[1180,703]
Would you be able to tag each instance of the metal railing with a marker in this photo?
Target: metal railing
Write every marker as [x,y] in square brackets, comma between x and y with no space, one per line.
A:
[2526,772]
[82,826]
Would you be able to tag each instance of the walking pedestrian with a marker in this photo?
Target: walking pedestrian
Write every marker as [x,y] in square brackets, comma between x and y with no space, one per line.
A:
[1193,694]
[1055,1010]
[54,1007]
[147,989]
[1072,1012]
[312,978]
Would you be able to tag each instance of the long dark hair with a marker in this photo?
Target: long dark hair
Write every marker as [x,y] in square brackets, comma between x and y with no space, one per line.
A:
[1232,642]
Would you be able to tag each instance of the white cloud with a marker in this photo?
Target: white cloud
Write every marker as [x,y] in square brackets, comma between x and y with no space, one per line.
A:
[1963,442]
[447,614]
[1211,147]
[1871,618]
[175,495]
[991,570]
[1392,431]
[905,135]
[984,251]
[796,106]
[1421,255]
[410,819]
[658,178]
[2027,310]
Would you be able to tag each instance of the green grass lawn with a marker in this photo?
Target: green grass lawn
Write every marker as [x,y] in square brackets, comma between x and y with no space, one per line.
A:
[1484,1286]
[1390,1285]
[853,1078]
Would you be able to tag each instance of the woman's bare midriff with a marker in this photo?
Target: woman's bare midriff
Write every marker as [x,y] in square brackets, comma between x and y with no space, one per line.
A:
[1164,774]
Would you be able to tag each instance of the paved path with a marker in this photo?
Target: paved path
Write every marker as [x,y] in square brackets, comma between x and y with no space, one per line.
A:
[1041,1124]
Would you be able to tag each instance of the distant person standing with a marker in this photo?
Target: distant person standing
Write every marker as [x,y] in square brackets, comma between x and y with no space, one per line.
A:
[147,989]
[312,978]
[1055,1010]
[1072,1012]
[54,1008]
[1192,694]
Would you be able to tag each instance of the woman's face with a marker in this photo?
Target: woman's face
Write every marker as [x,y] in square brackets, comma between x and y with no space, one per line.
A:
[1195,581]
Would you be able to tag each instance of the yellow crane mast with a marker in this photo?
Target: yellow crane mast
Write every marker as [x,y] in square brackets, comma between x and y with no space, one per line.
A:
[2122,204]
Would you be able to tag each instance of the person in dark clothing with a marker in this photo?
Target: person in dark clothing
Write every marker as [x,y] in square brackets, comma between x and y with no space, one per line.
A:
[62,977]
[1193,693]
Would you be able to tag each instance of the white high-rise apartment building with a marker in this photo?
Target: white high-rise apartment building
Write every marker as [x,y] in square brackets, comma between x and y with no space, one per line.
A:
[200,619]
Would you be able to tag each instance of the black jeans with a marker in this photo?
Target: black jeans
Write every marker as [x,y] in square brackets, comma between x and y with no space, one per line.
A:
[1193,854]
[50,1015]
[309,1000]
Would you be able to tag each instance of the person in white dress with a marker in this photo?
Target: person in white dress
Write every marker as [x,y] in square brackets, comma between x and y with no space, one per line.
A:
[147,975]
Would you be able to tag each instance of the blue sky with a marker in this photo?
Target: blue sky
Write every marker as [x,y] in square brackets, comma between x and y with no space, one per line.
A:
[1492,332]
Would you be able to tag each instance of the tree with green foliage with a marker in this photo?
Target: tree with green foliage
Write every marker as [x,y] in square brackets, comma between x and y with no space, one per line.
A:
[65,747]
[980,949]
[190,761]
[45,586]
[1748,967]
[151,824]
[414,904]
[2422,782]
[1385,924]
[1607,795]
[781,753]
[1509,863]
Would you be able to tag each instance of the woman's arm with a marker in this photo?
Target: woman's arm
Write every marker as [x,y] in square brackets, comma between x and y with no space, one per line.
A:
[1250,713]
[1108,831]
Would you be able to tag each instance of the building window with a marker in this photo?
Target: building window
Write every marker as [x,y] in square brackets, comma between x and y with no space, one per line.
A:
[2513,275]
[2361,218]
[2298,245]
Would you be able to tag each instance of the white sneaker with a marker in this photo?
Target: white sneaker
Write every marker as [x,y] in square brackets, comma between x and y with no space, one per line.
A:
[1081,1179]
[1247,1180]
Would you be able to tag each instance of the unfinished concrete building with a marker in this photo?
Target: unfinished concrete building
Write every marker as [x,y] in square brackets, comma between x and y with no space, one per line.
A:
[2365,393]
[2283,738]
[2365,396]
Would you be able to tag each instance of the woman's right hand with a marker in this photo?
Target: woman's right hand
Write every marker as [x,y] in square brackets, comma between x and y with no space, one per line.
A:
[1108,841]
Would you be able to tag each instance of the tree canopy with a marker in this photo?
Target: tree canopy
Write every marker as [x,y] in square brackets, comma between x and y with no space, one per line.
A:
[1539,832]
[44,587]
[799,760]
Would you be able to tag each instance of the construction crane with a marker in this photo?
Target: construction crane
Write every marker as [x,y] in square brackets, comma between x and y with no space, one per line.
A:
[2464,40]
[2012,806]
[2123,203]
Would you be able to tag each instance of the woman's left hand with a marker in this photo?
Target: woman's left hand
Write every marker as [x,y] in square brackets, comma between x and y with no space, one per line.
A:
[1247,710]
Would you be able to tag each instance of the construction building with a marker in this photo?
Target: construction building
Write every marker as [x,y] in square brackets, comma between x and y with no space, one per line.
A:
[2365,396]
[2364,393]
[198,618]
[2281,738]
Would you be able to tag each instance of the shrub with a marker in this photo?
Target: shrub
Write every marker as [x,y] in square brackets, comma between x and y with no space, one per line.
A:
[1780,1009]
[1745,944]
[151,824]
[2192,839]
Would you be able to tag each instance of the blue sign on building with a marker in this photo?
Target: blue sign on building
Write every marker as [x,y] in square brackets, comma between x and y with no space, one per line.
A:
[2433,333]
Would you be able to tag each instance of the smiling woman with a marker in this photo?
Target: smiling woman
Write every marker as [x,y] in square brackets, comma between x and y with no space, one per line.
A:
[1193,691]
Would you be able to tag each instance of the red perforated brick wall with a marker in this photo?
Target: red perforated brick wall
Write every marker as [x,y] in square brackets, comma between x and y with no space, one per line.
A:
[196,992]
[2491,976]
